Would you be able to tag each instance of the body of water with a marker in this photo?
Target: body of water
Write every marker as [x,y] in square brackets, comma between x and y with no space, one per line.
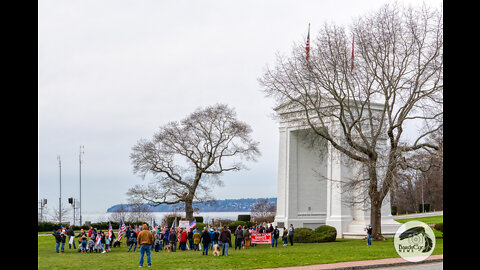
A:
[158,216]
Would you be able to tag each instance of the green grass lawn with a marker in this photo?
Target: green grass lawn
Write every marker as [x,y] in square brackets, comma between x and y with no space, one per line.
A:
[427,220]
[261,256]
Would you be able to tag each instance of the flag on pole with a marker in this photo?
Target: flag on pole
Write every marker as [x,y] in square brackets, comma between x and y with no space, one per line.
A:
[121,230]
[353,42]
[109,234]
[307,47]
[153,223]
[173,224]
[193,224]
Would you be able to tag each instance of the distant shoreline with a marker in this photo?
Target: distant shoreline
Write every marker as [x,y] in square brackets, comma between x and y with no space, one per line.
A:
[217,206]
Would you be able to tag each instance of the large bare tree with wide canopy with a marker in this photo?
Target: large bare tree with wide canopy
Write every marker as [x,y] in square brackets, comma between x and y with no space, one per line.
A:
[187,157]
[397,79]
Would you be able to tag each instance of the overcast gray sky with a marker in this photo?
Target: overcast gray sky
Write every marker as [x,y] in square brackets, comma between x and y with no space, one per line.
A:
[112,72]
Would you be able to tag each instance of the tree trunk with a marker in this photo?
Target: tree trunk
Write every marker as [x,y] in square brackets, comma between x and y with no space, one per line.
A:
[189,209]
[376,219]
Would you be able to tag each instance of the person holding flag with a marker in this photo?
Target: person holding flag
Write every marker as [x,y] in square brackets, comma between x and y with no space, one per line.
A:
[98,242]
[108,237]
[122,228]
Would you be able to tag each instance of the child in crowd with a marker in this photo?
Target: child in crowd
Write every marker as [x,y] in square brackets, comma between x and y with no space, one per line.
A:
[91,245]
[285,237]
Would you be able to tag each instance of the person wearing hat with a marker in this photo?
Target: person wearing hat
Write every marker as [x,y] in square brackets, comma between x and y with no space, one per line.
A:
[369,235]
[145,240]
[63,237]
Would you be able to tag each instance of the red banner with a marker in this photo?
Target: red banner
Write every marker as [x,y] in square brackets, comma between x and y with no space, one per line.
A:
[261,238]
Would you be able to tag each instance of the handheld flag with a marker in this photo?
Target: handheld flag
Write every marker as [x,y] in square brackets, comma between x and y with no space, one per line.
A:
[193,224]
[109,234]
[307,47]
[121,230]
[99,238]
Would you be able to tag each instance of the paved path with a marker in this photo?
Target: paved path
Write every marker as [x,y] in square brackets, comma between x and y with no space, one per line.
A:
[392,262]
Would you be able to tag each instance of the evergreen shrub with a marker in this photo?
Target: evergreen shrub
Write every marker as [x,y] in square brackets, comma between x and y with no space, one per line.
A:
[244,217]
[321,234]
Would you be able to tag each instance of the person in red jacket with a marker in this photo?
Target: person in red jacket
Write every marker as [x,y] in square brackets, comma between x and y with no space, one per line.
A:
[183,240]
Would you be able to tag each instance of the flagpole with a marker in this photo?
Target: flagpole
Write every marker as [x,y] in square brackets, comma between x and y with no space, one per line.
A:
[80,178]
[60,197]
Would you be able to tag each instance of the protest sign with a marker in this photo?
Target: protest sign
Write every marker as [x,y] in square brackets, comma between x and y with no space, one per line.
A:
[261,238]
[184,224]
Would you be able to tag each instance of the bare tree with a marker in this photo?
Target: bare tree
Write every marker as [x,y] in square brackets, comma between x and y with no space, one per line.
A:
[138,211]
[121,213]
[420,180]
[64,214]
[187,157]
[263,211]
[397,78]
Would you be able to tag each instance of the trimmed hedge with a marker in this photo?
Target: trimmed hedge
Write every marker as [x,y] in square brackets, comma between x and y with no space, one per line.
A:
[233,226]
[321,234]
[200,226]
[50,226]
[325,233]
[244,217]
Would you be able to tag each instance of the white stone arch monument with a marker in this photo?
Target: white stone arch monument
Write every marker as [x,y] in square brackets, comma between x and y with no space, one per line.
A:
[304,199]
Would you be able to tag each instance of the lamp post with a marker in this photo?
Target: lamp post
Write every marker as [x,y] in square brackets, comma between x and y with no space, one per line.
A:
[72,202]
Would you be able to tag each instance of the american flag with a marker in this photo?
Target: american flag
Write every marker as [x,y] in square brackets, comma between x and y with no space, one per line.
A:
[109,234]
[121,230]
[307,48]
[99,238]
[193,224]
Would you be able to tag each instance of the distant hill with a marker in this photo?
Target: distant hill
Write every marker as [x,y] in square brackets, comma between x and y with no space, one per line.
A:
[227,205]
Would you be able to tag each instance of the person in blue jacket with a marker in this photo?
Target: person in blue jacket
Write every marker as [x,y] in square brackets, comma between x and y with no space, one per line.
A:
[212,237]
[165,238]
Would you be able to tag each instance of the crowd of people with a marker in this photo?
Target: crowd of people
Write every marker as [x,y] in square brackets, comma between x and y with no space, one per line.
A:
[163,238]
[91,241]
